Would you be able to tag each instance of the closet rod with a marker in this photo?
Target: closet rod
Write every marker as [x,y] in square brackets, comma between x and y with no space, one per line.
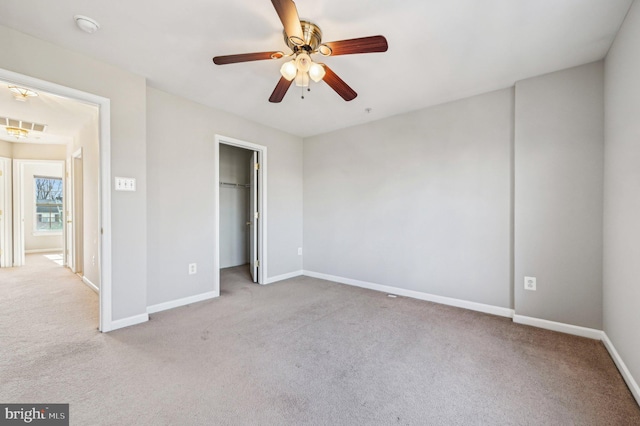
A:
[235,185]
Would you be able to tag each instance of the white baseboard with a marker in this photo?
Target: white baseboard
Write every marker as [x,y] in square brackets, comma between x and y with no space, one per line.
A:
[129,321]
[576,330]
[474,306]
[284,276]
[181,302]
[54,250]
[91,285]
[622,367]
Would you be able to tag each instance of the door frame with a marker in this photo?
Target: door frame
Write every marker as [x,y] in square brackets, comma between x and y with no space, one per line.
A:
[6,215]
[262,206]
[18,206]
[104,188]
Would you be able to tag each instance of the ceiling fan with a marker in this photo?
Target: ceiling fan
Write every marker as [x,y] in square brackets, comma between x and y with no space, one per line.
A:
[304,38]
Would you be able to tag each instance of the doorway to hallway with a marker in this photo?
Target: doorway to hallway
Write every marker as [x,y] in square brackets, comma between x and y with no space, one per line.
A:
[40,135]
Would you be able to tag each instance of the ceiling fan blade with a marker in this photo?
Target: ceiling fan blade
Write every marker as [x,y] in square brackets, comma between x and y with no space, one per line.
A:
[337,84]
[358,45]
[280,90]
[246,57]
[288,14]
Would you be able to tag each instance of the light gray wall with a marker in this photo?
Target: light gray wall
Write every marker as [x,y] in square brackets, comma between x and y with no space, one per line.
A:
[88,139]
[559,145]
[40,59]
[622,193]
[234,205]
[180,172]
[33,240]
[419,201]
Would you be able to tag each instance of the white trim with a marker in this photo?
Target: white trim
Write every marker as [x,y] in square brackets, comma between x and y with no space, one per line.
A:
[576,330]
[262,206]
[622,367]
[47,234]
[181,302]
[6,222]
[104,198]
[53,250]
[129,321]
[104,192]
[284,277]
[91,285]
[474,306]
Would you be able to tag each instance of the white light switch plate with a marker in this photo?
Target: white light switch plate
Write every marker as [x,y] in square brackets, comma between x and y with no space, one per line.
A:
[125,184]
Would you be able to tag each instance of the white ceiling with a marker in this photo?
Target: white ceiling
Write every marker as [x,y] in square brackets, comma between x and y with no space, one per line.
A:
[439,50]
[63,117]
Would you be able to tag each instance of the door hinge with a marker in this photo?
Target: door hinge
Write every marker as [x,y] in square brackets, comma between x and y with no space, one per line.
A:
[257,165]
[257,263]
[256,215]
[0,172]
[0,212]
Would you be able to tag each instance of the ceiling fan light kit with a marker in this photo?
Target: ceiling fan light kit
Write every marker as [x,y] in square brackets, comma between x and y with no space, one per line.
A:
[316,72]
[289,70]
[304,38]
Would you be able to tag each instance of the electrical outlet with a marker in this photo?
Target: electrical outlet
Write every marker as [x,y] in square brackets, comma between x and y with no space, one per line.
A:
[192,268]
[530,283]
[299,251]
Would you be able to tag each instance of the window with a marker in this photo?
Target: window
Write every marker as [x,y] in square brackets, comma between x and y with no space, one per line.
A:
[48,196]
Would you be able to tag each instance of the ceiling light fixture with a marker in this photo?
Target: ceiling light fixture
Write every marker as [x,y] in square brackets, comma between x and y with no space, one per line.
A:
[22,93]
[86,24]
[316,72]
[17,132]
[302,68]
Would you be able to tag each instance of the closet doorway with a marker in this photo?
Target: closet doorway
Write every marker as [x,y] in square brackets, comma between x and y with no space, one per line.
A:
[241,208]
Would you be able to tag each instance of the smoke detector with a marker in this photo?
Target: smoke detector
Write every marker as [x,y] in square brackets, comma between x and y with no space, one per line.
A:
[86,24]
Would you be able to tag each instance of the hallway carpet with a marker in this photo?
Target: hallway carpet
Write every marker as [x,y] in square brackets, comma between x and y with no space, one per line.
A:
[301,351]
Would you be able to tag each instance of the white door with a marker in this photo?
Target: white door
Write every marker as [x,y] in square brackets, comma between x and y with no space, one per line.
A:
[253,218]
[74,226]
[68,242]
[77,214]
[6,250]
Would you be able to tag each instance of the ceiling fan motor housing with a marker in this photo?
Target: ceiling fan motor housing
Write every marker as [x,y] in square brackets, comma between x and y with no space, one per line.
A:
[312,37]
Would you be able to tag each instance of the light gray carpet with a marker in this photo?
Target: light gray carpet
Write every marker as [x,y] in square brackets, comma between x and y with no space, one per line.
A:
[301,351]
